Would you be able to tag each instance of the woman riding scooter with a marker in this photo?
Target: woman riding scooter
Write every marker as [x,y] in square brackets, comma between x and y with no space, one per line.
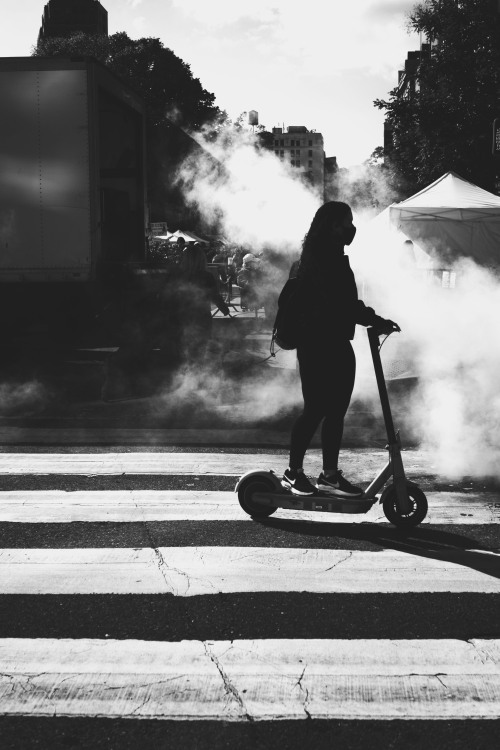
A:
[330,309]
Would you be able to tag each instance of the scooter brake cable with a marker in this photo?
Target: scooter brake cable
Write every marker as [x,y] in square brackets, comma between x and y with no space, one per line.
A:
[385,339]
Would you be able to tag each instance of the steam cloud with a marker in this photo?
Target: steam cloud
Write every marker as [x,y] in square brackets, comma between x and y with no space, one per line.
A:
[261,202]
[22,398]
[449,341]
[449,337]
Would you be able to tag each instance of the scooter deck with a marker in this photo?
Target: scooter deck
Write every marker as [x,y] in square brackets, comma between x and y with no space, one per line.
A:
[318,502]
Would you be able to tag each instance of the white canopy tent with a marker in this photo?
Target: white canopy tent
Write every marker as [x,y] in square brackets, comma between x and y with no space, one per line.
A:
[390,240]
[174,236]
[452,218]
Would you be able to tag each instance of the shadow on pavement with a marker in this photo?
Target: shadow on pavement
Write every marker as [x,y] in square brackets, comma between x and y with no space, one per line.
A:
[421,541]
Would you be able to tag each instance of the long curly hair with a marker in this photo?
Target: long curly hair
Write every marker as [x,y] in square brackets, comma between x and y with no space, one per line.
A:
[318,240]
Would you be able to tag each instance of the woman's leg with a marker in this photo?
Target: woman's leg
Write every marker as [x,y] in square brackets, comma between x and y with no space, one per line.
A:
[338,402]
[314,407]
[302,433]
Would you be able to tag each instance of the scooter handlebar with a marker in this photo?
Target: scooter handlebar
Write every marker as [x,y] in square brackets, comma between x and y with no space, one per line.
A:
[384,327]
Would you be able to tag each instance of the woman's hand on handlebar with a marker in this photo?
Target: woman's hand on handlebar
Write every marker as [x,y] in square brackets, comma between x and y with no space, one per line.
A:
[385,326]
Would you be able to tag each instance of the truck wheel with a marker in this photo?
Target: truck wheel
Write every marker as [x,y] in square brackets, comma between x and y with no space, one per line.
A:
[418,510]
[246,492]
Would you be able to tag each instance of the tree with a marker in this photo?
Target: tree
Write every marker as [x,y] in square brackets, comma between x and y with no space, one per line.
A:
[161,78]
[446,123]
[175,101]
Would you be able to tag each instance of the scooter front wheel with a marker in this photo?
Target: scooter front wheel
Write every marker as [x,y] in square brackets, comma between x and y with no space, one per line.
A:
[418,503]
[246,492]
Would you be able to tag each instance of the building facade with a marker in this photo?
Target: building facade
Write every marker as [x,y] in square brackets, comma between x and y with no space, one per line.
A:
[67,17]
[408,86]
[303,149]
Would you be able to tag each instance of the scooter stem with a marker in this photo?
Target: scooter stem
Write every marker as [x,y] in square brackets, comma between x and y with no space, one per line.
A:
[395,465]
[382,388]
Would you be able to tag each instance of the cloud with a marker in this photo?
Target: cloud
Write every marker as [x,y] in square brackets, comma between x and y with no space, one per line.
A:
[134,3]
[323,40]
[383,10]
[226,12]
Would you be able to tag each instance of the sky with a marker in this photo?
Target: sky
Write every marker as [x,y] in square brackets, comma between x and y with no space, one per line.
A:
[316,63]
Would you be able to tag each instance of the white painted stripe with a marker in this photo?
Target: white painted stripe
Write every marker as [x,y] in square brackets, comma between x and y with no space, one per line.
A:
[144,463]
[53,506]
[191,571]
[360,465]
[244,680]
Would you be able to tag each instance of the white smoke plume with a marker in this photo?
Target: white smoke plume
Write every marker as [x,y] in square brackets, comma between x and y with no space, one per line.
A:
[449,342]
[22,398]
[261,201]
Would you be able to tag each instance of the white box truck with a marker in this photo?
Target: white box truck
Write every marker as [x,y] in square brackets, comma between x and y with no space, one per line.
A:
[73,203]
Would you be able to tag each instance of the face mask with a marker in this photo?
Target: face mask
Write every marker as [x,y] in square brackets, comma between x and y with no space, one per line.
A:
[348,234]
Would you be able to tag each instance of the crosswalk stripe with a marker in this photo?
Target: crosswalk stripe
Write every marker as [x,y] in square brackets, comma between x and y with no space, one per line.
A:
[56,506]
[193,571]
[142,463]
[237,680]
[251,680]
[363,466]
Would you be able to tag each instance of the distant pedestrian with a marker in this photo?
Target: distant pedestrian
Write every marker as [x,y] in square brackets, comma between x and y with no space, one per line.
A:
[188,297]
[248,280]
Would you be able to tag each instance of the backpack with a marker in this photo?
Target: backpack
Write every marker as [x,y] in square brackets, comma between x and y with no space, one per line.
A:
[288,320]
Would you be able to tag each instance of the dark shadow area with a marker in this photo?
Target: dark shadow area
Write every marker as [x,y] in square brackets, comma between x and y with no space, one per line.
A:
[20,733]
[273,614]
[434,542]
[421,541]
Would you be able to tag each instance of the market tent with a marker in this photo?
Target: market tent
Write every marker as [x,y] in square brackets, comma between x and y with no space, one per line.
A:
[188,236]
[390,241]
[452,218]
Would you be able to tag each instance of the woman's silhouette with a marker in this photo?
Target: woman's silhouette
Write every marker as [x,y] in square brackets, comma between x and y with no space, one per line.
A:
[330,309]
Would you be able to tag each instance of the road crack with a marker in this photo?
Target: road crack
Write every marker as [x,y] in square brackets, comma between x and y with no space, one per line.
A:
[305,691]
[438,678]
[484,657]
[344,559]
[230,689]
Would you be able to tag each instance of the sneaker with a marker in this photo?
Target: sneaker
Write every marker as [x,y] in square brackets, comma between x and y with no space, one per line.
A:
[297,483]
[337,485]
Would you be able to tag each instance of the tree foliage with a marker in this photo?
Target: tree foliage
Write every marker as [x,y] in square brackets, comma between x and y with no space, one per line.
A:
[446,125]
[175,101]
[162,79]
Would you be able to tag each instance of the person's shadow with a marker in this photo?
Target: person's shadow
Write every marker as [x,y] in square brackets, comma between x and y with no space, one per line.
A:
[423,541]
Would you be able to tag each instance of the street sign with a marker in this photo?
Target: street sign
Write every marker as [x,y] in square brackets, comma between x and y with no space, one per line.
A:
[158,227]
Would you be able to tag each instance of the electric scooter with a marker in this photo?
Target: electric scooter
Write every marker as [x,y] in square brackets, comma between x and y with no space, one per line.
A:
[260,493]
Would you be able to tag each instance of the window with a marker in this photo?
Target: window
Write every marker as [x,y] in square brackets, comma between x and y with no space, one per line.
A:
[276,152]
[276,143]
[282,153]
[297,162]
[292,143]
[282,142]
[293,162]
[310,143]
[310,152]
[310,164]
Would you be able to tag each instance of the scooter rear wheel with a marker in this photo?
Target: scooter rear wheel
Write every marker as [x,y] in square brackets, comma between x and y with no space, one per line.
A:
[246,492]
[418,510]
